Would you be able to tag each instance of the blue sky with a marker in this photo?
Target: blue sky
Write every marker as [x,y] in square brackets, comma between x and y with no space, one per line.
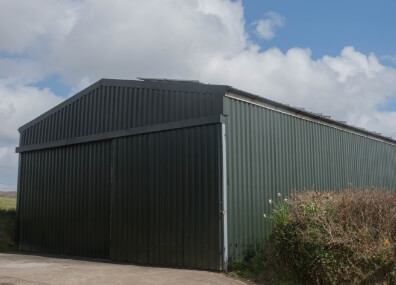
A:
[326,27]
[54,83]
[332,57]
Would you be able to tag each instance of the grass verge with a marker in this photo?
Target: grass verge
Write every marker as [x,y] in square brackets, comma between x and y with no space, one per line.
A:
[7,203]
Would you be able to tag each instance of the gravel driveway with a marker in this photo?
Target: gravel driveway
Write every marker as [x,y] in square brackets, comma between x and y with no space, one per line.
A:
[31,269]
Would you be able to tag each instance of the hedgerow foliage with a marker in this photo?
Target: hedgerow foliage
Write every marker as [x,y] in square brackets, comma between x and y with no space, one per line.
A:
[7,229]
[337,237]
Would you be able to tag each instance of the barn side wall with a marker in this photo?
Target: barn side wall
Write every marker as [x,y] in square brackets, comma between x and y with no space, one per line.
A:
[269,152]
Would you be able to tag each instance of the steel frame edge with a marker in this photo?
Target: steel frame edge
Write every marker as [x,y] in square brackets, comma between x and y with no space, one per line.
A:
[224,210]
[195,122]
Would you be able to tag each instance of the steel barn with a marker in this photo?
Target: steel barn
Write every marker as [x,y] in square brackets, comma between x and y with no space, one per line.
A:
[177,173]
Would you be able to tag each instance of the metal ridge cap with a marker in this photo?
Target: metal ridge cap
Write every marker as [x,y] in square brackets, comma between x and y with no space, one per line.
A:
[167,80]
[168,84]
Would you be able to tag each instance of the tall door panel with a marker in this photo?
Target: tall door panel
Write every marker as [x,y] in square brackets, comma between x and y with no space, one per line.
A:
[130,195]
[165,198]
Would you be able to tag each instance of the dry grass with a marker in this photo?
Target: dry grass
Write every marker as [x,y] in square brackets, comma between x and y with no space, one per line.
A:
[7,203]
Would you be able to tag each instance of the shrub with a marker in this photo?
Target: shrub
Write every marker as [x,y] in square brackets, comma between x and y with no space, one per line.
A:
[7,229]
[336,237]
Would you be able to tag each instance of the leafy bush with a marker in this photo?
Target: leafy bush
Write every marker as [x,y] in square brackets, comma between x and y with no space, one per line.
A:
[337,237]
[326,238]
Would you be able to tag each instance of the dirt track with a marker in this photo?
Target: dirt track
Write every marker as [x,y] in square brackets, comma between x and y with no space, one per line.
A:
[30,269]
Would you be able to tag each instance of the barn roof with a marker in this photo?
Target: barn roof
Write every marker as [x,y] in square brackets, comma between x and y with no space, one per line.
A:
[223,90]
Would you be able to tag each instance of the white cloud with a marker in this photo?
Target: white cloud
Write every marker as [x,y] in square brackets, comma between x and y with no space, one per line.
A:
[265,28]
[348,87]
[350,63]
[27,26]
[93,39]
[7,157]
[21,71]
[8,168]
[20,104]
[82,41]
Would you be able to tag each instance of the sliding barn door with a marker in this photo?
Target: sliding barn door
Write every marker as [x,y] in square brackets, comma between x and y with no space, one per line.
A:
[165,207]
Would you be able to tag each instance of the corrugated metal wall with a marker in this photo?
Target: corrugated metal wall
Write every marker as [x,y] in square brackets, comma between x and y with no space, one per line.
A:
[117,105]
[269,152]
[150,199]
[64,200]
[166,199]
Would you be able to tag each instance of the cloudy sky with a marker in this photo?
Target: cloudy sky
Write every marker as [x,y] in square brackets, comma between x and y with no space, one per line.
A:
[337,58]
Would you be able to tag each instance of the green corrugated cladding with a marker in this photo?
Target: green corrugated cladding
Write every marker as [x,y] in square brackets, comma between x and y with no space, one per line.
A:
[269,152]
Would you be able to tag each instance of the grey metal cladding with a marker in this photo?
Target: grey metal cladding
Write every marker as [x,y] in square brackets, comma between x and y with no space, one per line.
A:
[111,105]
[269,152]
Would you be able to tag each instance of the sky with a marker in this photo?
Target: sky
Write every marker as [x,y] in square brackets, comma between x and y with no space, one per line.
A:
[332,57]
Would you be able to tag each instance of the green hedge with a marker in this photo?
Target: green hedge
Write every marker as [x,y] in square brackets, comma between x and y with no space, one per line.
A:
[328,238]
